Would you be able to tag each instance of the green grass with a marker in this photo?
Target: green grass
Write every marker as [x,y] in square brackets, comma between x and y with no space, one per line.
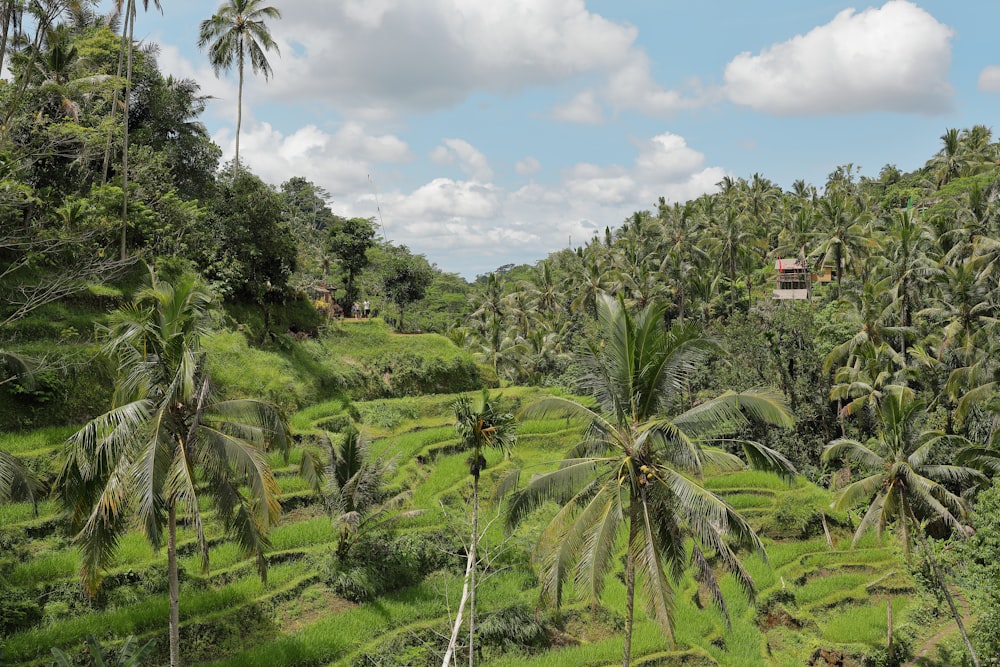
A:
[15,513]
[829,586]
[863,624]
[36,442]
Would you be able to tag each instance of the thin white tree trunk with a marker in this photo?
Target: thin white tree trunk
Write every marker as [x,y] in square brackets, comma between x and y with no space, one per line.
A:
[472,572]
[239,115]
[130,19]
[174,587]
[449,654]
[826,530]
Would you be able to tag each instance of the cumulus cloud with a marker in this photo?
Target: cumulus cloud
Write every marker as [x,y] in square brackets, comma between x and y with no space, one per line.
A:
[989,79]
[474,226]
[341,161]
[470,160]
[427,54]
[528,166]
[632,86]
[584,108]
[893,58]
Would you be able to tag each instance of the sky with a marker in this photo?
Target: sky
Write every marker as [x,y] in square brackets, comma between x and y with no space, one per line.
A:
[481,133]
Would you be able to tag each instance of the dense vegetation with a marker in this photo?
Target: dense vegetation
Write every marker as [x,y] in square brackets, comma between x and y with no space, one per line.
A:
[661,342]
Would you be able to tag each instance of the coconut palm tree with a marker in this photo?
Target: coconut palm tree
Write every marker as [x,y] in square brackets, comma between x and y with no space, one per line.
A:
[481,425]
[128,51]
[168,442]
[901,484]
[236,32]
[358,496]
[637,468]
[17,482]
[844,239]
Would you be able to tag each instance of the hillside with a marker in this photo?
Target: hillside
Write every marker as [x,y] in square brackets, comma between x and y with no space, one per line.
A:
[816,603]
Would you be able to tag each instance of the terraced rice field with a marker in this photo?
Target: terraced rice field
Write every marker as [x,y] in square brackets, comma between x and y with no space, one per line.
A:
[812,595]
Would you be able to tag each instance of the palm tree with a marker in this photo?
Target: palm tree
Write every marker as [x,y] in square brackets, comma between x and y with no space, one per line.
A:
[235,32]
[480,427]
[845,241]
[358,495]
[127,51]
[637,468]
[900,483]
[168,442]
[17,482]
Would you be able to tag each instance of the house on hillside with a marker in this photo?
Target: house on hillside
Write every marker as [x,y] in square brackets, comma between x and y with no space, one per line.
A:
[793,281]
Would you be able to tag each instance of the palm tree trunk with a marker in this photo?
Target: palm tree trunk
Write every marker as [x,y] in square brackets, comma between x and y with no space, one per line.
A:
[114,104]
[239,115]
[947,595]
[173,585]
[472,571]
[629,584]
[130,19]
[453,642]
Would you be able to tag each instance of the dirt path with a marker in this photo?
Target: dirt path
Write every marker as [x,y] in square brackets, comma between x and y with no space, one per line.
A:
[923,651]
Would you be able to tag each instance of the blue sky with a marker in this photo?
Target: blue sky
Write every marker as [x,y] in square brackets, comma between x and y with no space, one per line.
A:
[495,132]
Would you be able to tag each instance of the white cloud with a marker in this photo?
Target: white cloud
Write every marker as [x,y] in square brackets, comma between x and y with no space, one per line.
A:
[989,79]
[667,157]
[583,108]
[426,54]
[470,160]
[894,58]
[473,226]
[341,161]
[633,87]
[528,166]
[451,199]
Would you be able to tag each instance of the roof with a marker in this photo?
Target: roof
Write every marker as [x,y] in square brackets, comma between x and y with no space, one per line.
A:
[789,265]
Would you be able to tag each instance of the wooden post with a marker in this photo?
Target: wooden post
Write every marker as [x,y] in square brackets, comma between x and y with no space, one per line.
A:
[826,530]
[888,613]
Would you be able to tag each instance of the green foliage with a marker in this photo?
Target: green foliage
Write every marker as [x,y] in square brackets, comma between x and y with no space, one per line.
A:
[349,241]
[405,278]
[980,554]
[252,253]
[385,564]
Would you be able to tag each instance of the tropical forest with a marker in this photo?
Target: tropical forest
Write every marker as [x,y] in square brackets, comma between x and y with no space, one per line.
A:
[760,427]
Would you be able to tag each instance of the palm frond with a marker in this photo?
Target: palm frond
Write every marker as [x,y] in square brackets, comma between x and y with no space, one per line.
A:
[645,552]
[860,491]
[561,483]
[603,518]
[853,452]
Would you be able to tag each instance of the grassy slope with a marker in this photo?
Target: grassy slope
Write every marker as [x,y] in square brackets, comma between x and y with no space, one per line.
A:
[810,596]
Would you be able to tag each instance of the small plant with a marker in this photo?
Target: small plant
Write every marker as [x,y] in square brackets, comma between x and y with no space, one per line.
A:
[131,654]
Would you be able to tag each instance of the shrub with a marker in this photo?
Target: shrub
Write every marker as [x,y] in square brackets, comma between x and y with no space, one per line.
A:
[383,565]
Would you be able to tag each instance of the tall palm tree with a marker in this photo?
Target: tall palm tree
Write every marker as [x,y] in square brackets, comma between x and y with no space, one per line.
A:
[481,425]
[637,468]
[844,240]
[234,33]
[900,483]
[168,442]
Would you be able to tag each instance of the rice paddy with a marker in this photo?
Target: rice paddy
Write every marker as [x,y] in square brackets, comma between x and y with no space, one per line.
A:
[809,595]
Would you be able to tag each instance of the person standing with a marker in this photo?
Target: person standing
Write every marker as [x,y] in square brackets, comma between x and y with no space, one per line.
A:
[356,310]
[368,309]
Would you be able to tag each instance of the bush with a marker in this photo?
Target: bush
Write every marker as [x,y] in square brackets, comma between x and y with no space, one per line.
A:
[383,565]
[18,611]
[511,628]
